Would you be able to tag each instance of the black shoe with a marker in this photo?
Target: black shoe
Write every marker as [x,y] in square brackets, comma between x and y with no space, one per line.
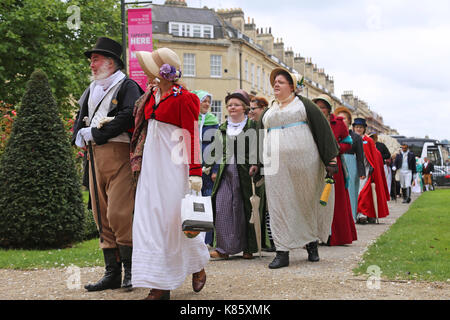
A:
[112,278]
[281,260]
[125,257]
[362,219]
[313,251]
[371,220]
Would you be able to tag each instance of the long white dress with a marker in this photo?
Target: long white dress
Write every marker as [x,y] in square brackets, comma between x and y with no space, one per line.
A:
[294,189]
[162,255]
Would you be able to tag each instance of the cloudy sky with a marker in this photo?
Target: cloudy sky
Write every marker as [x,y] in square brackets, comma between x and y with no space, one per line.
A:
[393,54]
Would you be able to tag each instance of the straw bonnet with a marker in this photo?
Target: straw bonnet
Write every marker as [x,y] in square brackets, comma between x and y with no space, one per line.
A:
[344,110]
[325,98]
[297,79]
[151,62]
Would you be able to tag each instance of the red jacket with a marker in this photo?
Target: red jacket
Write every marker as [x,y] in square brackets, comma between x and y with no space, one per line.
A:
[365,198]
[180,108]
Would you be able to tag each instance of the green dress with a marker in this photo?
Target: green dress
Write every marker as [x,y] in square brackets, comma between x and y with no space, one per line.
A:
[242,163]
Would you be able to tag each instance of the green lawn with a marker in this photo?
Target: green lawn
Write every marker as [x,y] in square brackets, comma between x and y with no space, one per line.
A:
[84,254]
[417,246]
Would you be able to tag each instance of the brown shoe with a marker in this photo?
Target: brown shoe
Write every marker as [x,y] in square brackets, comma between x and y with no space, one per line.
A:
[247,256]
[217,255]
[198,280]
[156,294]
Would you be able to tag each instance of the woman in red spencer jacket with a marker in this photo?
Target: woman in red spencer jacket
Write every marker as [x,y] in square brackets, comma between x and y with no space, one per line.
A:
[375,176]
[343,229]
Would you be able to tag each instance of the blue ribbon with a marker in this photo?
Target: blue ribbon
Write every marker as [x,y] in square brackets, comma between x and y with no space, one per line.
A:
[287,125]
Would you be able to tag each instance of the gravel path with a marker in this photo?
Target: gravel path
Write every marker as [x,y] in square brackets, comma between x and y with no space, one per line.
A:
[239,279]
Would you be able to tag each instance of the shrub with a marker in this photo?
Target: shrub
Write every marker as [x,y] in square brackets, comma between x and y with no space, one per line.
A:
[41,204]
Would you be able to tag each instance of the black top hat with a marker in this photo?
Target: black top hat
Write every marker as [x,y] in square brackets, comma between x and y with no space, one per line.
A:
[107,47]
[360,121]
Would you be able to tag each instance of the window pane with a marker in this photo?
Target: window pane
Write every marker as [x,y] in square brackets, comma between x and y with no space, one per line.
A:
[246,70]
[175,29]
[216,109]
[197,31]
[207,32]
[186,30]
[258,77]
[216,66]
[252,70]
[189,64]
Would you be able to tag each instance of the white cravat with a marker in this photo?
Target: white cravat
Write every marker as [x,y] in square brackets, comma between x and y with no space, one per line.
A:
[99,88]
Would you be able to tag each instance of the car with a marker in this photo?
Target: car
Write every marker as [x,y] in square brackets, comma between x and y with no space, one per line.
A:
[441,176]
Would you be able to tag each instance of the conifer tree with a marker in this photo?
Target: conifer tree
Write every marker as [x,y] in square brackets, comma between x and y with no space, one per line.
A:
[41,203]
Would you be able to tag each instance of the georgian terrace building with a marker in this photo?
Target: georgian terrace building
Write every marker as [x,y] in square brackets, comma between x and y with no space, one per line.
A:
[221,52]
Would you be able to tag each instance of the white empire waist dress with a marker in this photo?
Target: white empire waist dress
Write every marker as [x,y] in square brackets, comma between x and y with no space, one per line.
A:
[294,190]
[162,255]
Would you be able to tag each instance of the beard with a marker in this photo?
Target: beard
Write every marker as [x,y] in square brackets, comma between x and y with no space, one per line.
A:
[103,72]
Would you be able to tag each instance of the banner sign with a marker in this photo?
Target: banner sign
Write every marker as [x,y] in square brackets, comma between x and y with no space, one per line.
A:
[139,39]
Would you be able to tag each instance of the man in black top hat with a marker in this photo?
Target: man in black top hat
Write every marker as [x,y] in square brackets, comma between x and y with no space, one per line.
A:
[105,122]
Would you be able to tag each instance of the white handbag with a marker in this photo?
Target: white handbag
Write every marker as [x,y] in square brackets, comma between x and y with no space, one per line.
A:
[196,213]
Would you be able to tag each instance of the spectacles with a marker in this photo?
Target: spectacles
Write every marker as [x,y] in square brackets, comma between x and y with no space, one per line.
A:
[234,105]
[254,108]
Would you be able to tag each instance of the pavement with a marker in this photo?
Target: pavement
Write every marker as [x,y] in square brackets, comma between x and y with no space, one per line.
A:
[331,278]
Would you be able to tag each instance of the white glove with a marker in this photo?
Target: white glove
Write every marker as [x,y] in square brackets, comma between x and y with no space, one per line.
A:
[79,141]
[206,170]
[394,168]
[86,133]
[195,183]
[104,121]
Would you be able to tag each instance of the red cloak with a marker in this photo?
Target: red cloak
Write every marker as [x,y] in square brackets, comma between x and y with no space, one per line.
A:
[365,199]
[343,229]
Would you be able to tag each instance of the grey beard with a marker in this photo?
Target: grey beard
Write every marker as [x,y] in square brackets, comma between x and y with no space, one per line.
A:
[103,73]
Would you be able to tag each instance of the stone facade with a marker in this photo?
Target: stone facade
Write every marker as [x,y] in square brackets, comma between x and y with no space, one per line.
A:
[222,52]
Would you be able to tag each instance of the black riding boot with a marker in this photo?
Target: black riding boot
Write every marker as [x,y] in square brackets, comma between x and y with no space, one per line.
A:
[125,257]
[112,278]
[408,195]
[281,260]
[405,196]
[313,251]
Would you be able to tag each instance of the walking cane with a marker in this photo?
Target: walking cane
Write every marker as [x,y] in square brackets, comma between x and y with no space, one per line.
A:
[94,179]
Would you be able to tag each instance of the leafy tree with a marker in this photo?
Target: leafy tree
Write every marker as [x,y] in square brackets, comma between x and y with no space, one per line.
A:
[41,34]
[41,204]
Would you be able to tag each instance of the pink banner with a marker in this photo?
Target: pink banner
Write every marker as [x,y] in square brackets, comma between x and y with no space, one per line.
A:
[139,39]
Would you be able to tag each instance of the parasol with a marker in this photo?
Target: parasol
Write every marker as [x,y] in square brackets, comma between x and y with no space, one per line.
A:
[255,218]
[374,197]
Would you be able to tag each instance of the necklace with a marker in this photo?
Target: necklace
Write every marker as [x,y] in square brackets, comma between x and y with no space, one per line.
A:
[288,99]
